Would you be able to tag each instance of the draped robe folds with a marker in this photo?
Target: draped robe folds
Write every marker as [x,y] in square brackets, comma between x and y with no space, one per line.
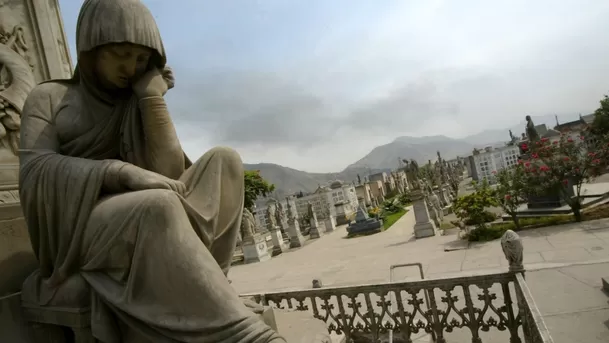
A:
[156,261]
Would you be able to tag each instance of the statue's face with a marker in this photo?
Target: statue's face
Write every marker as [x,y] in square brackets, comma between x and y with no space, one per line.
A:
[118,65]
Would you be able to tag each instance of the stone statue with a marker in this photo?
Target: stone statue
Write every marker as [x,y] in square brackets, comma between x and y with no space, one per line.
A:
[512,138]
[279,215]
[513,251]
[248,225]
[291,213]
[531,131]
[110,198]
[271,219]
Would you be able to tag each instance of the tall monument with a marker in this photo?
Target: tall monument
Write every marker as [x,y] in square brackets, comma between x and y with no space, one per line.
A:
[33,48]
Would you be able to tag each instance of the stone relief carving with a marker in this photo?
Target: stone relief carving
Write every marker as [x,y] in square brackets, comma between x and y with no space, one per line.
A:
[16,82]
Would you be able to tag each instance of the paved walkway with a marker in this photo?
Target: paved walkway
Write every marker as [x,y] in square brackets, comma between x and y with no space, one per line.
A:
[339,261]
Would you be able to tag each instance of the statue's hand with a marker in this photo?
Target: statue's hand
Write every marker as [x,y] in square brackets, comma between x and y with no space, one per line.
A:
[137,179]
[153,83]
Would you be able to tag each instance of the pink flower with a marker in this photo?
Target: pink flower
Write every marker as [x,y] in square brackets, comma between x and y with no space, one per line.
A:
[545,139]
[591,154]
[569,139]
[527,164]
[508,197]
[566,159]
[556,142]
[582,137]
[596,161]
[544,168]
[535,156]
[565,182]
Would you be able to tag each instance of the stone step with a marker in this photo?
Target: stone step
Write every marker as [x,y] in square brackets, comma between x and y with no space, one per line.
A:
[605,281]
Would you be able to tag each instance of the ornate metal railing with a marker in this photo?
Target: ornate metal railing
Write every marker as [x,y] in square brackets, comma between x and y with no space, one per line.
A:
[473,305]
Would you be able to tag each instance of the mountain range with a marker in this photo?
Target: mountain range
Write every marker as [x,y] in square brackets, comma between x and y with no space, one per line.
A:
[385,157]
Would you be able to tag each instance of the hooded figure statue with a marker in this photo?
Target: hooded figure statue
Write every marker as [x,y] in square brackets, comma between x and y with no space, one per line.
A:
[110,198]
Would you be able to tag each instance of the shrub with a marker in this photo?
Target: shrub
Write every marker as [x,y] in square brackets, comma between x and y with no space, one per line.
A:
[471,209]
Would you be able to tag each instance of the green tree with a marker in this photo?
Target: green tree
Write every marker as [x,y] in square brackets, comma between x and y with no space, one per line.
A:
[600,125]
[255,186]
[511,190]
[554,167]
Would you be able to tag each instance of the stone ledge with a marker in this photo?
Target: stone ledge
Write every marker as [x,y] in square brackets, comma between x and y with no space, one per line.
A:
[605,281]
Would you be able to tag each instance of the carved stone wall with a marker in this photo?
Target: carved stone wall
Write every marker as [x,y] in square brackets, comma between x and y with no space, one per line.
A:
[33,49]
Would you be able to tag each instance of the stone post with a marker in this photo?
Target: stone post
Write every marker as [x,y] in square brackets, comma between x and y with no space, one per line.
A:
[423,226]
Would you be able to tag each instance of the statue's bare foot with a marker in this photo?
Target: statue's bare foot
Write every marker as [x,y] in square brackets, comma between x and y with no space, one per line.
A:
[253,306]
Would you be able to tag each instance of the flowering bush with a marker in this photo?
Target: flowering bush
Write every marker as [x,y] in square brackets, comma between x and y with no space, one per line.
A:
[511,190]
[553,167]
[471,209]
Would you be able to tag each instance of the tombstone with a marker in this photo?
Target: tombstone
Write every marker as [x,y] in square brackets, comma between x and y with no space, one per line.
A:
[279,245]
[253,244]
[423,227]
[297,240]
[330,224]
[255,249]
[364,224]
[315,231]
[33,48]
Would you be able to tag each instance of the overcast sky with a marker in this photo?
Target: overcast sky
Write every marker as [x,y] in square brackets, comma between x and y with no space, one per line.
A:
[316,84]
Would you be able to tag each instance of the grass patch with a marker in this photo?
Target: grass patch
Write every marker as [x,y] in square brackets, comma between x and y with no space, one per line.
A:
[390,219]
[496,230]
[446,226]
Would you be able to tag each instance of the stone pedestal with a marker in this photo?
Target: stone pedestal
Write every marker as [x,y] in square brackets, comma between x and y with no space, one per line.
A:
[284,230]
[297,240]
[315,231]
[330,225]
[255,249]
[279,245]
[423,226]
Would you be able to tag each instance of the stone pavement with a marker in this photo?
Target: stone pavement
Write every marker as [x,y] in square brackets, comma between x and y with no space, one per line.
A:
[571,301]
[339,262]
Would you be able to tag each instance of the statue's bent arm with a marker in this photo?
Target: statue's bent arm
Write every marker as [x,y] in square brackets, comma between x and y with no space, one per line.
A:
[166,156]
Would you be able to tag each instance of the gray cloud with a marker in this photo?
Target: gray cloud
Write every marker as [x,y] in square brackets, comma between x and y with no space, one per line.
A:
[245,107]
[456,77]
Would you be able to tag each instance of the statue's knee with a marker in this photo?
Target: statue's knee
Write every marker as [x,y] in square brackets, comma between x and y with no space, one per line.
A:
[229,157]
[160,201]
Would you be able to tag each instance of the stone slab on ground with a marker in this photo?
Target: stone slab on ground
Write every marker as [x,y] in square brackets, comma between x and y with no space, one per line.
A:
[298,326]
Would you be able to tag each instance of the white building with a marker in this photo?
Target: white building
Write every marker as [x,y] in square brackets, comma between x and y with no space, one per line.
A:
[492,159]
[336,201]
